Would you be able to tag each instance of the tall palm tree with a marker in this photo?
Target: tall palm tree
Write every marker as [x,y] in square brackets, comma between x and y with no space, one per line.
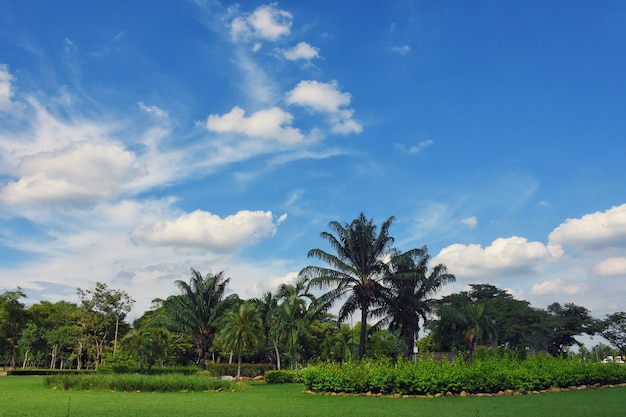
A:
[197,309]
[268,308]
[357,271]
[412,292]
[242,329]
[293,314]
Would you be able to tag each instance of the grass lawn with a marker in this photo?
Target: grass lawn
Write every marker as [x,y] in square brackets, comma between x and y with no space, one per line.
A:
[27,396]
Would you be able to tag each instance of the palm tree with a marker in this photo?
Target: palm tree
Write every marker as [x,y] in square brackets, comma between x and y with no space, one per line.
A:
[413,289]
[356,272]
[293,314]
[242,329]
[268,308]
[197,309]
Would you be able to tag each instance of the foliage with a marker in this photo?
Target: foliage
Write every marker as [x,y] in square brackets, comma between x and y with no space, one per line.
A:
[248,370]
[355,274]
[284,376]
[490,372]
[135,382]
[242,330]
[412,293]
[613,329]
[198,309]
[13,317]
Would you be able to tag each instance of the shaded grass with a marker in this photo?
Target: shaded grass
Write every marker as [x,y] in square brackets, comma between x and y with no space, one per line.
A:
[27,396]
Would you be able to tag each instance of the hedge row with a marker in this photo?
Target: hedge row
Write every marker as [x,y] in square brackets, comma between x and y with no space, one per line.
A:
[135,382]
[248,370]
[30,372]
[482,376]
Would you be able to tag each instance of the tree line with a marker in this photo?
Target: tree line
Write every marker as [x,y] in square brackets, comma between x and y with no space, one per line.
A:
[392,293]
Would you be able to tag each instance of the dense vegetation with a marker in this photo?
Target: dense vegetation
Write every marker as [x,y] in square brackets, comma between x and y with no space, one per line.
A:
[394,292]
[485,375]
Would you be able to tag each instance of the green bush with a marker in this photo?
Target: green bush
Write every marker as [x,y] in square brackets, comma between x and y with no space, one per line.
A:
[488,373]
[283,376]
[248,370]
[135,382]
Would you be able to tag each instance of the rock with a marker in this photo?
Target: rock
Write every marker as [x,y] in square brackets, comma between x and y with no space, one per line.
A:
[464,394]
[448,394]
[438,395]
[227,378]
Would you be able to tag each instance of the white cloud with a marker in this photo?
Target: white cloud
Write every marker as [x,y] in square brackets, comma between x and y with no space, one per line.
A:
[470,222]
[301,51]
[597,230]
[201,230]
[270,123]
[513,255]
[558,287]
[401,50]
[76,175]
[413,149]
[615,266]
[6,90]
[154,110]
[266,22]
[326,98]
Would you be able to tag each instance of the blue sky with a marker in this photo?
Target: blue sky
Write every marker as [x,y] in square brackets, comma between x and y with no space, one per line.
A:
[140,139]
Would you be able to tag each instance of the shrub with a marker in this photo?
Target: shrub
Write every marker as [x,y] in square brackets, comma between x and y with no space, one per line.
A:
[283,376]
[135,382]
[487,373]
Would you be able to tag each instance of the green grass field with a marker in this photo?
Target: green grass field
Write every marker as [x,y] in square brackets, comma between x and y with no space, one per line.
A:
[27,396]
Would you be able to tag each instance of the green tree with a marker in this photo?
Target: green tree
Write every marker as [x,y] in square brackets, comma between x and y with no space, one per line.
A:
[102,311]
[268,309]
[613,329]
[242,329]
[197,309]
[293,315]
[148,342]
[51,333]
[565,322]
[412,296]
[13,318]
[356,273]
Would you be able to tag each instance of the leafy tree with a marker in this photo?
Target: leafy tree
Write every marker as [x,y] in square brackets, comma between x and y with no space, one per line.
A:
[412,295]
[613,329]
[566,322]
[197,309]
[356,272]
[101,312]
[51,332]
[13,317]
[341,346]
[242,329]
[148,341]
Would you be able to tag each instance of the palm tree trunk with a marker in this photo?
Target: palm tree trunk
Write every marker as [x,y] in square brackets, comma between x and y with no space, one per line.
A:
[363,334]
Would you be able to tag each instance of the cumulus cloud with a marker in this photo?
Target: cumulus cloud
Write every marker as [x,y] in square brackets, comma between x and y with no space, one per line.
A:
[326,98]
[204,231]
[601,229]
[267,22]
[272,123]
[615,266]
[513,255]
[557,287]
[301,51]
[78,174]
